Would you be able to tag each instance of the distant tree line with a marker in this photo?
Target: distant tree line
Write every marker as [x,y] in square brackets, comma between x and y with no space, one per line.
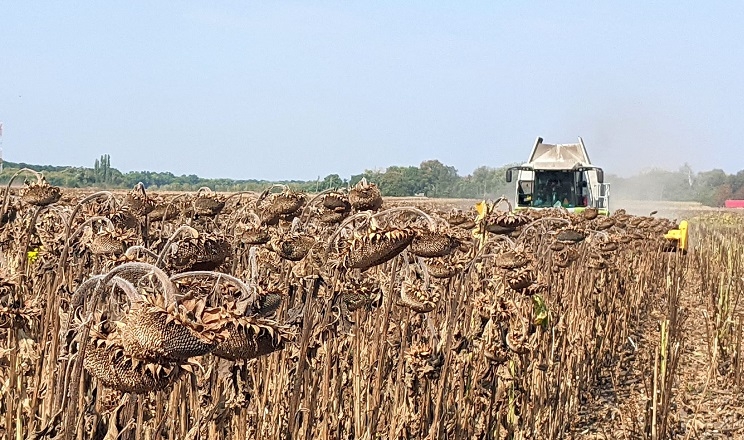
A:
[431,178]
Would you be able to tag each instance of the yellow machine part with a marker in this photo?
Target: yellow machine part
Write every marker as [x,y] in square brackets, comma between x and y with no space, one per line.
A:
[679,235]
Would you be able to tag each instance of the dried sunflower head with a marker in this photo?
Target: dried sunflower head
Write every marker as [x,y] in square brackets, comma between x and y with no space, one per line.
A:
[456,217]
[429,244]
[40,193]
[441,268]
[107,360]
[295,247]
[165,210]
[160,332]
[208,203]
[124,218]
[110,241]
[570,235]
[376,246]
[365,196]
[335,201]
[418,297]
[362,292]
[521,278]
[285,202]
[248,337]
[602,223]
[507,219]
[138,202]
[251,234]
[512,259]
[590,213]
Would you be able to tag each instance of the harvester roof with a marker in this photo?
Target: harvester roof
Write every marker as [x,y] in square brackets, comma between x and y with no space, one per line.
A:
[558,156]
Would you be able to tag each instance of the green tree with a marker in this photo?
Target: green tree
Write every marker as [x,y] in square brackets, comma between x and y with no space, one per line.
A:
[437,179]
[400,181]
[331,181]
[102,171]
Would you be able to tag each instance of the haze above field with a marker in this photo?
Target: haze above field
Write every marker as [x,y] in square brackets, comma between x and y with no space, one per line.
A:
[295,91]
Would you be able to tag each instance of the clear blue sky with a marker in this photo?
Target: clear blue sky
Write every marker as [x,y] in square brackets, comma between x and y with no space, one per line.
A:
[293,90]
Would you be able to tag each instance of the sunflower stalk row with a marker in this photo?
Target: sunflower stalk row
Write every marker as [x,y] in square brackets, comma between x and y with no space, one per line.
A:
[277,315]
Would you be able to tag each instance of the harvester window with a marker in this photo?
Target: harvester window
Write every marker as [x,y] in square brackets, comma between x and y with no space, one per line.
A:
[555,188]
[582,198]
[524,193]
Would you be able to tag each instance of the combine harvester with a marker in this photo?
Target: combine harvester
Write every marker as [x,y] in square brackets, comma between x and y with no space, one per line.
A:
[562,176]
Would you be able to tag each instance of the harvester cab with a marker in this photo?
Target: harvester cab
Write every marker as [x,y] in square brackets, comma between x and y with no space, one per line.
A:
[560,175]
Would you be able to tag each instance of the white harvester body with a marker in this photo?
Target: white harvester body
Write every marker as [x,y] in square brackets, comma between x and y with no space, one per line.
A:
[560,175]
